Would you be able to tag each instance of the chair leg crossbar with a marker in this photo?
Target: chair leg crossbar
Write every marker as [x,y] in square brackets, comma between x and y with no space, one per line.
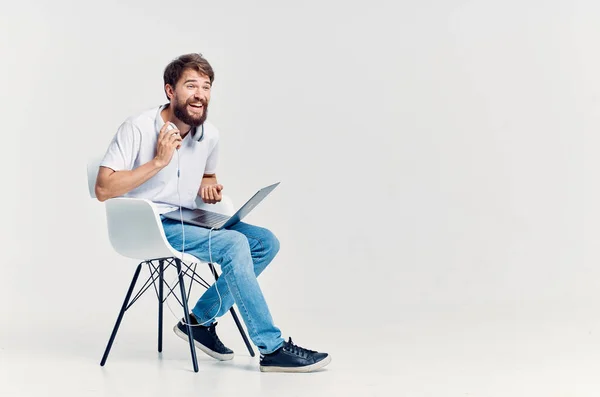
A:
[157,279]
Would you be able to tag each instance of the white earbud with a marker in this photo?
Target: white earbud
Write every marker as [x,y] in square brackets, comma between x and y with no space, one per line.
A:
[171,126]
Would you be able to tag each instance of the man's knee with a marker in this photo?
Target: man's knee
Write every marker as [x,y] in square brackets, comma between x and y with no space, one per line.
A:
[238,243]
[264,242]
[272,243]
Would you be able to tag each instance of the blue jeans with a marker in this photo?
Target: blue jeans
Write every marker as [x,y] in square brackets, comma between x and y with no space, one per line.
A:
[243,251]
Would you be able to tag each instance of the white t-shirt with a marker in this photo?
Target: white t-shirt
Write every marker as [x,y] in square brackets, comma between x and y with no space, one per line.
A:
[134,144]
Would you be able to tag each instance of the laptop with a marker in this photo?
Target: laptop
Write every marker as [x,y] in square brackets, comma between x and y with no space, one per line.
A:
[214,220]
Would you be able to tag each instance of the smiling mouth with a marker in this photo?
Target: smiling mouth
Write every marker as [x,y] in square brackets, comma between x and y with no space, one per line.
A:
[197,108]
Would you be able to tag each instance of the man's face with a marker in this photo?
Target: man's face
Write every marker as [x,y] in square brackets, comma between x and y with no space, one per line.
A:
[191,97]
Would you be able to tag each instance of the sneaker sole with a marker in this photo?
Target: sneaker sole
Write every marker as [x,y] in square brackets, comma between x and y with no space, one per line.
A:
[306,368]
[212,353]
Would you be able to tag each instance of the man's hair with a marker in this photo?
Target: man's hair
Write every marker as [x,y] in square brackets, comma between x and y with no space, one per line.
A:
[194,61]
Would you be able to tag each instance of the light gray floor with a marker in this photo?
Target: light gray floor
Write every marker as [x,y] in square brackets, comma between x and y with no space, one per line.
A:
[468,351]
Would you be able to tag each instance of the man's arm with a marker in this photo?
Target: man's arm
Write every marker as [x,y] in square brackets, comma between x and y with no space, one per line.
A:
[210,189]
[111,183]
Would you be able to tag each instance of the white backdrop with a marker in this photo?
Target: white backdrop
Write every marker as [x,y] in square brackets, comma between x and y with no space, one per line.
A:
[437,158]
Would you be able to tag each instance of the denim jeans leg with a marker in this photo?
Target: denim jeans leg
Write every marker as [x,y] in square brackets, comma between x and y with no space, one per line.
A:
[231,249]
[264,246]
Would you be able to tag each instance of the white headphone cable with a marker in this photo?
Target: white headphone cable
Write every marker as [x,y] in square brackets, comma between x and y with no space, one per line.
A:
[183,254]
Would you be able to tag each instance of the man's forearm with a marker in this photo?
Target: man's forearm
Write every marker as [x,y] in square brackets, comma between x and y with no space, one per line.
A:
[116,183]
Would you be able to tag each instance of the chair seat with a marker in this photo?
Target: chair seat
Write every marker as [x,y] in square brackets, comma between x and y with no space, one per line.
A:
[189,259]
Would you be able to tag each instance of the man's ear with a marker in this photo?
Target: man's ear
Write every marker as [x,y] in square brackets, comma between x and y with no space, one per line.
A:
[170,91]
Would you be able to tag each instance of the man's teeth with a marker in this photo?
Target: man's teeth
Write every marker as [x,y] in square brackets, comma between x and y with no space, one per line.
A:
[196,106]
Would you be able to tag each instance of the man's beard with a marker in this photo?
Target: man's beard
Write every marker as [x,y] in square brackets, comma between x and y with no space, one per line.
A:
[181,112]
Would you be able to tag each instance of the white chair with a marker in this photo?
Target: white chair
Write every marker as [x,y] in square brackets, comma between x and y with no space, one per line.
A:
[135,231]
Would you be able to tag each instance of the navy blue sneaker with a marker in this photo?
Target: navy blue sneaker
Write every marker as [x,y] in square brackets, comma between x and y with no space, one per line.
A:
[205,339]
[292,358]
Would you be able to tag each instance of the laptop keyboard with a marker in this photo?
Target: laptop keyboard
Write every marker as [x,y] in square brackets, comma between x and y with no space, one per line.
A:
[211,218]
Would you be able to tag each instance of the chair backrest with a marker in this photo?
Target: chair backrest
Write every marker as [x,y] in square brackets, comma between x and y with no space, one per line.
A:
[135,229]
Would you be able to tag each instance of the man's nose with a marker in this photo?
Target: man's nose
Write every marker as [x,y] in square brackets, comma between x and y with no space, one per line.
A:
[198,95]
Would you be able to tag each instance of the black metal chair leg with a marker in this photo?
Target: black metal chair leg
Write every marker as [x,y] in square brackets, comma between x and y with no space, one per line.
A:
[242,332]
[160,303]
[186,314]
[235,317]
[121,313]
